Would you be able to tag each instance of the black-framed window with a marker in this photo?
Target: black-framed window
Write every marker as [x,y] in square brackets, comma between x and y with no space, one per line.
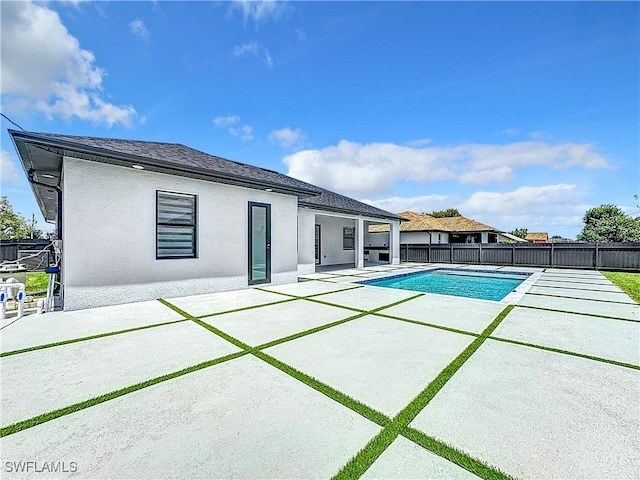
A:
[175,225]
[348,238]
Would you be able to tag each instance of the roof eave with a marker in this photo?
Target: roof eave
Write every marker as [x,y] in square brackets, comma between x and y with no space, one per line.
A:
[158,165]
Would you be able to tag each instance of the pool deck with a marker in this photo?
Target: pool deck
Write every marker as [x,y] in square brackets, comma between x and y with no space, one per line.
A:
[292,381]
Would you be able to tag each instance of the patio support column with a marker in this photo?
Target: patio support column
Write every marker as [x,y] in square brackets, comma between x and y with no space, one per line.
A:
[359,243]
[394,242]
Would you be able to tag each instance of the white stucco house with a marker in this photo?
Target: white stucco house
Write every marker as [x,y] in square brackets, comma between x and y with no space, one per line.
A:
[140,220]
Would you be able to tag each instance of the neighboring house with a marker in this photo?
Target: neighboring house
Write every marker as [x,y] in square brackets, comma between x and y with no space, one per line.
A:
[141,220]
[538,237]
[425,229]
[504,237]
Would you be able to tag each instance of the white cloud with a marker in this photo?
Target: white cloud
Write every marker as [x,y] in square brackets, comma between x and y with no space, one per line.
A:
[139,29]
[373,169]
[248,48]
[261,10]
[288,138]
[232,123]
[226,121]
[559,205]
[8,171]
[301,34]
[244,133]
[254,49]
[44,69]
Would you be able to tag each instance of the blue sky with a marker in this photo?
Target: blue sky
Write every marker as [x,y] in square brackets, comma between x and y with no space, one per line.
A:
[518,114]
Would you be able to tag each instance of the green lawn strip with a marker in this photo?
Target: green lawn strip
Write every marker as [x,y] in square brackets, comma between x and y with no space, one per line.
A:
[426,324]
[249,307]
[365,457]
[567,352]
[349,402]
[32,422]
[579,313]
[36,282]
[628,282]
[453,455]
[580,298]
[83,339]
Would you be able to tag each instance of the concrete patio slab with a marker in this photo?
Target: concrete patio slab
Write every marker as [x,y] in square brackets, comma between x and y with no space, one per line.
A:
[347,271]
[224,301]
[241,419]
[589,307]
[602,280]
[64,375]
[585,294]
[368,298]
[347,279]
[258,326]
[316,276]
[580,286]
[611,339]
[404,459]
[383,363]
[302,289]
[573,271]
[539,414]
[461,313]
[53,327]
[520,269]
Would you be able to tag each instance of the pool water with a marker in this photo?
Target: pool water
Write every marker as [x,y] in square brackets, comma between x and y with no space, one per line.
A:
[462,283]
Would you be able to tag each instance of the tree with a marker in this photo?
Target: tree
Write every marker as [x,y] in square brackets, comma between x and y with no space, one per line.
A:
[608,223]
[449,212]
[13,225]
[519,232]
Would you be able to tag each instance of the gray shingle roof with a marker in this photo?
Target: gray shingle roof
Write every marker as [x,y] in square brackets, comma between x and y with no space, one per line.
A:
[188,160]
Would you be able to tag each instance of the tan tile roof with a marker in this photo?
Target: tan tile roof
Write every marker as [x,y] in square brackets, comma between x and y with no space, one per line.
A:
[426,223]
[463,224]
[532,236]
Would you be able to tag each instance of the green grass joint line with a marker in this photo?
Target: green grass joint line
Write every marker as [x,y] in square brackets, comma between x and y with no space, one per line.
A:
[359,464]
[566,352]
[83,339]
[454,455]
[46,417]
[580,313]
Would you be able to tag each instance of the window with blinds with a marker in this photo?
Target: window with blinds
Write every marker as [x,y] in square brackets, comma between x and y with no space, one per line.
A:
[348,238]
[175,225]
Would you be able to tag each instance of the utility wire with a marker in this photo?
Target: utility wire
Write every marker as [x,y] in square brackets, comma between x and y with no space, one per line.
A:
[8,119]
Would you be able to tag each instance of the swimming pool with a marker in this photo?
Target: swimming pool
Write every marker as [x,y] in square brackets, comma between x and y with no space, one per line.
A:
[486,285]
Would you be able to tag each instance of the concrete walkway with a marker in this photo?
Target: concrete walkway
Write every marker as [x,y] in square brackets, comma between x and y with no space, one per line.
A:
[292,381]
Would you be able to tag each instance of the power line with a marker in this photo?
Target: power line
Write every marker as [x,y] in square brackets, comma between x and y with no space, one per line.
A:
[8,119]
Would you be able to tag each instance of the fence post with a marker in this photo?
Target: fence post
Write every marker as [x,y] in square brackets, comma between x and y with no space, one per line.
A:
[480,254]
[429,253]
[513,254]
[551,255]
[596,253]
[451,254]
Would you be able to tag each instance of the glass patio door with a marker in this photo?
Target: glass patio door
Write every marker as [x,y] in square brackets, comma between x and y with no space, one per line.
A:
[259,243]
